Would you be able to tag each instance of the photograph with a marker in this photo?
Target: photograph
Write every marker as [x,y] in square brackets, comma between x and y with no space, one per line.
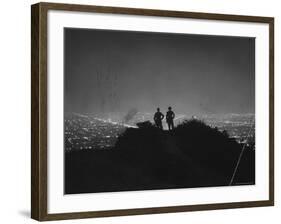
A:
[153,110]
[140,111]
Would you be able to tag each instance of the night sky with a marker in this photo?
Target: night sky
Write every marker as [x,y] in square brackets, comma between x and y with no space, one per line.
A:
[115,71]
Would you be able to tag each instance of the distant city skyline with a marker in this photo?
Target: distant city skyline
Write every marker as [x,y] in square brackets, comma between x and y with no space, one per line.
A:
[91,132]
[114,71]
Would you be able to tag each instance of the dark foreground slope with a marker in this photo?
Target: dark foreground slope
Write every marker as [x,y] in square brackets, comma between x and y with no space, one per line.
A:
[145,158]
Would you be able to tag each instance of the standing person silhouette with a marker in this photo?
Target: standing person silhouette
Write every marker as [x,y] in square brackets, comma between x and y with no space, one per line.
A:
[170,115]
[158,117]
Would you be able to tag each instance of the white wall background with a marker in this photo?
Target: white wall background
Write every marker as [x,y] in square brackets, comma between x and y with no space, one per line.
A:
[15,111]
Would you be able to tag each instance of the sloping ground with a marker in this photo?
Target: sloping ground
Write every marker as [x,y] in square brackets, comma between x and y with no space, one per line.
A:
[192,155]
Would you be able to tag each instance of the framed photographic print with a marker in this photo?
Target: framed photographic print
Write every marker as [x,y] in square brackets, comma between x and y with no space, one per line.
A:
[140,111]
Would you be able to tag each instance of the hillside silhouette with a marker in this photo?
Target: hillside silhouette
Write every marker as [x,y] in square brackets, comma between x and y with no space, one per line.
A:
[193,154]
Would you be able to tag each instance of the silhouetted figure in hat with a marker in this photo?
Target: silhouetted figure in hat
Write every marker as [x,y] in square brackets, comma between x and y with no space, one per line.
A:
[170,115]
[158,117]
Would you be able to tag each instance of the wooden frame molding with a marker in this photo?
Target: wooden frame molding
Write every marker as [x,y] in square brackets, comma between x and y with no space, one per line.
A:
[39,202]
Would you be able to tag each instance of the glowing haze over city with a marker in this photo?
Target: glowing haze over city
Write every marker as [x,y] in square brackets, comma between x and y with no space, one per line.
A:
[115,79]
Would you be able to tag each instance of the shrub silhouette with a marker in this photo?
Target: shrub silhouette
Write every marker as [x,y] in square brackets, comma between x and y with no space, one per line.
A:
[216,150]
[209,147]
[192,155]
